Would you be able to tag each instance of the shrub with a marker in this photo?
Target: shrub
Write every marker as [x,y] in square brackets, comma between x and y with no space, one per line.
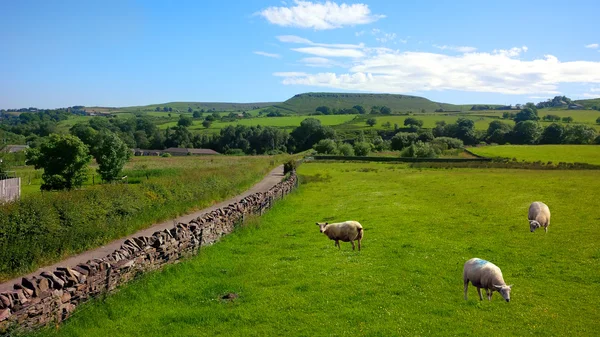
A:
[403,139]
[420,150]
[165,155]
[362,148]
[345,149]
[289,166]
[235,152]
[450,143]
[326,146]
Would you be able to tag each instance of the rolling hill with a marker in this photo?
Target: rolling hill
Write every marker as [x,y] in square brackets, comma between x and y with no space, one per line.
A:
[308,102]
[588,103]
[183,106]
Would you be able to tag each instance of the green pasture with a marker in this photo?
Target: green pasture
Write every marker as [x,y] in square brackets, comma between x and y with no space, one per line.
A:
[421,225]
[555,153]
[280,122]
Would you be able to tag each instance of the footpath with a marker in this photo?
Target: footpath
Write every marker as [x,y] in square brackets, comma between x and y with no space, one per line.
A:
[264,185]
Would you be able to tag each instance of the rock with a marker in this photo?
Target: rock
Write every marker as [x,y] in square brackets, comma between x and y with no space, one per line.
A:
[229,296]
[56,282]
[5,301]
[4,314]
[31,283]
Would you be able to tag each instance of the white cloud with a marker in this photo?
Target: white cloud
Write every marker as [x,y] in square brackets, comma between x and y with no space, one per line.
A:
[592,46]
[290,74]
[319,62]
[361,33]
[515,51]
[267,54]
[595,89]
[460,49]
[330,52]
[386,37]
[386,70]
[301,40]
[319,16]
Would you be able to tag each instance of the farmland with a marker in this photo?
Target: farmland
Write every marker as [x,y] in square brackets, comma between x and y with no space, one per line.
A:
[420,227]
[555,153]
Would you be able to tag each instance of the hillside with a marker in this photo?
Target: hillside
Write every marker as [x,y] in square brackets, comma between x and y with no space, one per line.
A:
[588,103]
[308,102]
[183,106]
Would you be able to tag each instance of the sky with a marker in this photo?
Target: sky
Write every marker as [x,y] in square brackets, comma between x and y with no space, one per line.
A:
[123,53]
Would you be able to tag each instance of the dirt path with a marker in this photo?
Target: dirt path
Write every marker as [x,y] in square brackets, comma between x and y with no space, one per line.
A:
[264,185]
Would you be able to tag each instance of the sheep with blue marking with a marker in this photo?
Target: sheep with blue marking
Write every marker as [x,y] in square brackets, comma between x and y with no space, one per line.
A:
[486,275]
[347,231]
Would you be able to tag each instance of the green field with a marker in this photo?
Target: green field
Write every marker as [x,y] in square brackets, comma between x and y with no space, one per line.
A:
[280,122]
[555,153]
[579,116]
[420,228]
[481,123]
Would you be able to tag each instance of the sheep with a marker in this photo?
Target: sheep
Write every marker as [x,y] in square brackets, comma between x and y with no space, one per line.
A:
[343,231]
[539,216]
[484,274]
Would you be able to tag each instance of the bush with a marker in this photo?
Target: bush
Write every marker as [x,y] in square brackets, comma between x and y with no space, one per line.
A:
[165,155]
[289,166]
[448,142]
[403,139]
[362,148]
[326,146]
[235,152]
[345,149]
[420,150]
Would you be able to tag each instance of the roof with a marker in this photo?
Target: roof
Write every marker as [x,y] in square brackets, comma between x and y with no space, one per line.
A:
[15,148]
[202,151]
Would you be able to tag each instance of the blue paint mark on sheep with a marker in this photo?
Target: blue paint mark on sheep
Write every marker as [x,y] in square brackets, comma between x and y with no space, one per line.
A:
[481,262]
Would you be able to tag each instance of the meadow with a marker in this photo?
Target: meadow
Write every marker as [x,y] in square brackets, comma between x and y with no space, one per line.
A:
[555,153]
[421,225]
[43,228]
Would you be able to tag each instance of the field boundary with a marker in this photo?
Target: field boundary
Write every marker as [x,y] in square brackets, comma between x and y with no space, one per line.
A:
[403,159]
[475,154]
[51,297]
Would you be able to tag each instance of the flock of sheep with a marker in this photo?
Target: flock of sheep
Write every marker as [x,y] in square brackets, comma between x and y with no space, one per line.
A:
[481,273]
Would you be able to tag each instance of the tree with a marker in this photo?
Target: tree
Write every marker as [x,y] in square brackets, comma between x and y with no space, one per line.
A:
[497,131]
[309,133]
[551,118]
[568,119]
[326,146]
[465,130]
[170,109]
[387,125]
[325,110]
[553,134]
[185,121]
[64,159]
[206,123]
[197,114]
[189,109]
[166,109]
[111,154]
[157,108]
[345,149]
[361,110]
[526,132]
[362,148]
[403,139]
[411,121]
[598,120]
[526,114]
[385,110]
[371,122]
[580,134]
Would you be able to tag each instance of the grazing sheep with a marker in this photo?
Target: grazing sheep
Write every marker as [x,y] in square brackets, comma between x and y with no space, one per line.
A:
[484,274]
[347,231]
[539,216]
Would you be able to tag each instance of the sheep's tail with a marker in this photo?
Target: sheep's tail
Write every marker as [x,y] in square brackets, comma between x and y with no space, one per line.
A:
[360,233]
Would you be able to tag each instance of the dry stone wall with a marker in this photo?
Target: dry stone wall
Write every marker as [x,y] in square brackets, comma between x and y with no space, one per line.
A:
[51,297]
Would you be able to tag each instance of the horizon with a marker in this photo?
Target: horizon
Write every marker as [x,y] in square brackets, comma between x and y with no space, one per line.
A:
[66,54]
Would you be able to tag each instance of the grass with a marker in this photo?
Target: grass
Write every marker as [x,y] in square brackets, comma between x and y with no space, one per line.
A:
[42,228]
[555,153]
[481,123]
[420,228]
[280,122]
[308,102]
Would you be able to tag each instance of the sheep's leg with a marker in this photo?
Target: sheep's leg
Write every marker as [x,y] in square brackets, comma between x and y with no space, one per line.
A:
[546,228]
[489,294]
[337,243]
[359,245]
[466,287]
[352,242]
[479,292]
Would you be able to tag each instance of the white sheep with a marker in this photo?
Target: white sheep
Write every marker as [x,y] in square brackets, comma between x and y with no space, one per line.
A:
[347,231]
[539,216]
[484,274]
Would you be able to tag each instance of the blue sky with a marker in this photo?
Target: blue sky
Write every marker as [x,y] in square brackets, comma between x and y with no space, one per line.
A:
[120,53]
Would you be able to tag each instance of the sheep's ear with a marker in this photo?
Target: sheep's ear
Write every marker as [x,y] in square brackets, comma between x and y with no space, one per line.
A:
[510,286]
[317,223]
[327,223]
[497,286]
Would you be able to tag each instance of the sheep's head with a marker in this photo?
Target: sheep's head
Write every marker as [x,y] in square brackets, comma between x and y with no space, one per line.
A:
[504,291]
[533,225]
[322,226]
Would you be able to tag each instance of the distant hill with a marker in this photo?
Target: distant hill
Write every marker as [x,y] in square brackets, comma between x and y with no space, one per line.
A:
[589,103]
[183,106]
[308,102]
